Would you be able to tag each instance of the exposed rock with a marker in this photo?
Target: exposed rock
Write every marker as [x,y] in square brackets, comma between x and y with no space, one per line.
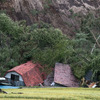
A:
[59,13]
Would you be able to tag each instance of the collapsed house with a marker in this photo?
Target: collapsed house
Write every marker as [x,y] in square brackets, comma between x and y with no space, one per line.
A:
[62,76]
[27,74]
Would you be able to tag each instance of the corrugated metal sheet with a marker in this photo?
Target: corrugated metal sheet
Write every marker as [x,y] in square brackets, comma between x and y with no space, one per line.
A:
[30,73]
[89,75]
[63,75]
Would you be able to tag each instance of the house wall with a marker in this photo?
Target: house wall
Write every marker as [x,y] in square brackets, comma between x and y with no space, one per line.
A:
[15,83]
[8,75]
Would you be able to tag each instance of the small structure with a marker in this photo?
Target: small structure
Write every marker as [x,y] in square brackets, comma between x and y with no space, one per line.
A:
[64,76]
[89,76]
[27,74]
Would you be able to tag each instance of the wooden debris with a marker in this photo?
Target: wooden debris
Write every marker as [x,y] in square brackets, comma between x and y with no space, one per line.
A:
[41,84]
[1,91]
[92,85]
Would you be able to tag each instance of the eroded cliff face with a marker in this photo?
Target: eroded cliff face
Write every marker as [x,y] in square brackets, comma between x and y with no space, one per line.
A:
[59,13]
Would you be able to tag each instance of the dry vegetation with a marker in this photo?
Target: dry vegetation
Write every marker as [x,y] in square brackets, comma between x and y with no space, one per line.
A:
[52,94]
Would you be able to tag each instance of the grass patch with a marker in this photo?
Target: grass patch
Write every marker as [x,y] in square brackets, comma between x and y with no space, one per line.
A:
[52,94]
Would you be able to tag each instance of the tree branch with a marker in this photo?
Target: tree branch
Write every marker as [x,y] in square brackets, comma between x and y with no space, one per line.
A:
[95,45]
[95,39]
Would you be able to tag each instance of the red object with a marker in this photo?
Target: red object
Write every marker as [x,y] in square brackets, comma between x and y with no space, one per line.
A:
[30,73]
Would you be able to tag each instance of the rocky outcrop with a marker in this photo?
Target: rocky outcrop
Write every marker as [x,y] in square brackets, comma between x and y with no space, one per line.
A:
[59,13]
[77,5]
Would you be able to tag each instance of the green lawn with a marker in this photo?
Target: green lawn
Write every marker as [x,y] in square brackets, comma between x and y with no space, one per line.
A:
[51,94]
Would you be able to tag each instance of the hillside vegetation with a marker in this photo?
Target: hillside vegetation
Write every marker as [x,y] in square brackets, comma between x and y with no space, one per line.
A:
[47,45]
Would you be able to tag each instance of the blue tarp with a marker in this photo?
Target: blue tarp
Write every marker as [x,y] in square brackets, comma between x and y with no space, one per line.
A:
[8,87]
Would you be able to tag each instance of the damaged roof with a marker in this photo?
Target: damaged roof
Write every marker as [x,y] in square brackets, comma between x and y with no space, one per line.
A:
[30,73]
[63,75]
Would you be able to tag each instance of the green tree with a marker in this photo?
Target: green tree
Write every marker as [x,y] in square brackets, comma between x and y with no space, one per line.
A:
[80,57]
[20,43]
[86,46]
[11,35]
[50,46]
